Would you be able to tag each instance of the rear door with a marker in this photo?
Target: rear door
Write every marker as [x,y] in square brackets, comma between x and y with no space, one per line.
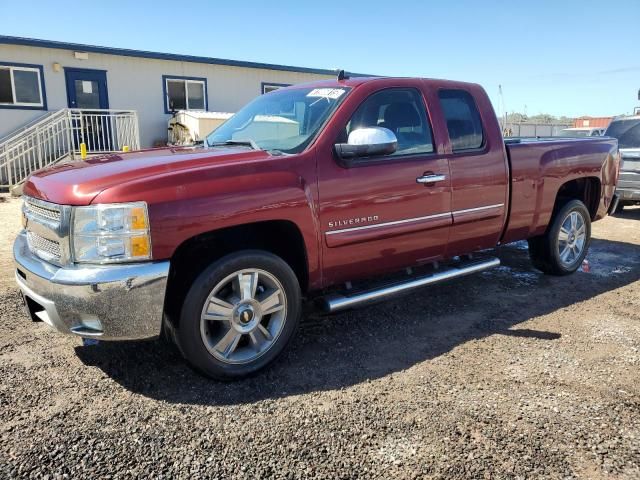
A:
[375,216]
[479,172]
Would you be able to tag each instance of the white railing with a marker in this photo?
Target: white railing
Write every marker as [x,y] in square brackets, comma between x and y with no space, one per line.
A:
[59,136]
[28,125]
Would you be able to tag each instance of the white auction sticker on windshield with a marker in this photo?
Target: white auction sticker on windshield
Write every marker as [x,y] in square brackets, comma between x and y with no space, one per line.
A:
[326,93]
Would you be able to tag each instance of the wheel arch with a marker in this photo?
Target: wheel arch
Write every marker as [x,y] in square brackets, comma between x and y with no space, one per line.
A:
[586,189]
[280,237]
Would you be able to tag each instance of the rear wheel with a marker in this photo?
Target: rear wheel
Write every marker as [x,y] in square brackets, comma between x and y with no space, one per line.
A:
[239,314]
[562,249]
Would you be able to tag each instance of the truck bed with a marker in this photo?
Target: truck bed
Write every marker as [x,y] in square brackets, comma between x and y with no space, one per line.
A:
[538,169]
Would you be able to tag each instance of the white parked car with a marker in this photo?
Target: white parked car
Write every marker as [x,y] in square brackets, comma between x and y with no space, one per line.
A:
[582,132]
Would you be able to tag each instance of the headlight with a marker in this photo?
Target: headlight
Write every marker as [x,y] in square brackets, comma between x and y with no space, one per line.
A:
[111,233]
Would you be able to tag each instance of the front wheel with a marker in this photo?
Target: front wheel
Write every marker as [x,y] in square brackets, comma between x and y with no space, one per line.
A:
[561,250]
[239,314]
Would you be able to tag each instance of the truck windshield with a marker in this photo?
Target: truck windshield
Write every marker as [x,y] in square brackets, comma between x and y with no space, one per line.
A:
[285,121]
[627,131]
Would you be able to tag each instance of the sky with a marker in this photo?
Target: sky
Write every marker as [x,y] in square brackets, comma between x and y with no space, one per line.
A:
[559,57]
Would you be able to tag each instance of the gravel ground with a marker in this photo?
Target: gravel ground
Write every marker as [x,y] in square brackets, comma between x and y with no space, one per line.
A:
[507,374]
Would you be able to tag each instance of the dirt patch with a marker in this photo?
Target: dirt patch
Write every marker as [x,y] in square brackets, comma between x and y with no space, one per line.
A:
[507,374]
[10,221]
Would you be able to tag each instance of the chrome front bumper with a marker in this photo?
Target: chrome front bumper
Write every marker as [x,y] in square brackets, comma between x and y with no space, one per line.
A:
[110,302]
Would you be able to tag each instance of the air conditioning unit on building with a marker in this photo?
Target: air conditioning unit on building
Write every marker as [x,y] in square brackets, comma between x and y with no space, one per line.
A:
[191,127]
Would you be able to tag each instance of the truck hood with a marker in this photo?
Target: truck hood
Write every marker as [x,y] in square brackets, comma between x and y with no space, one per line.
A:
[78,183]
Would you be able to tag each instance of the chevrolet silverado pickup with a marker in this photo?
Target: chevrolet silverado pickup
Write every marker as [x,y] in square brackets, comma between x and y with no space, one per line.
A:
[315,191]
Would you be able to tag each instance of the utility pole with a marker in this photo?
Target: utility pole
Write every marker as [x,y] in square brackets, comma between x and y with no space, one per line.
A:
[503,108]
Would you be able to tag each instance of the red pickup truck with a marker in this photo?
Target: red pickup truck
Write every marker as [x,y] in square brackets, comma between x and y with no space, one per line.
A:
[304,192]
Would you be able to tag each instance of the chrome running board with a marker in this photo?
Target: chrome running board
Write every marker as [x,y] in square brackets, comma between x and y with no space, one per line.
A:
[335,302]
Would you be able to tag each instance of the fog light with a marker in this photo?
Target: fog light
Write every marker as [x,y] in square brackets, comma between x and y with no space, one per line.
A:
[92,324]
[88,326]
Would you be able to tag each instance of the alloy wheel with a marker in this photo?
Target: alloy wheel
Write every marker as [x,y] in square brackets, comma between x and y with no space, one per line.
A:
[243,316]
[572,238]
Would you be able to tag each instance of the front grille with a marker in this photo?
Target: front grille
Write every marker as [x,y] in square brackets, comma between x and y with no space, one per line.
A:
[43,247]
[49,212]
[47,226]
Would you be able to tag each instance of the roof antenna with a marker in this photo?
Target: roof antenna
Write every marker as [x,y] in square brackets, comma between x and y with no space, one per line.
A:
[342,75]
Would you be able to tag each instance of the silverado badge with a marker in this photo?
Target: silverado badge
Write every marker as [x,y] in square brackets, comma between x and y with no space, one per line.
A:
[353,221]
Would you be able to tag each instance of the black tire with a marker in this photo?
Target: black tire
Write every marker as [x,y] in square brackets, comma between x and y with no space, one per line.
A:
[543,250]
[619,208]
[189,337]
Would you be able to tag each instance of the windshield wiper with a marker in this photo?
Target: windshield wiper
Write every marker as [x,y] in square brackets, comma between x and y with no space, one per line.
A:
[241,143]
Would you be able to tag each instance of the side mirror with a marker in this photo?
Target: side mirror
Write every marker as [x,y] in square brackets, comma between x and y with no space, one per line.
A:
[367,142]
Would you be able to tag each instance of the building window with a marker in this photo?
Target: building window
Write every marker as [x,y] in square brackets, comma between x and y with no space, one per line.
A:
[22,86]
[272,87]
[184,93]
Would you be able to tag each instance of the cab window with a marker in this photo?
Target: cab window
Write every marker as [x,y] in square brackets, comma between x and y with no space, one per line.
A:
[402,111]
[463,119]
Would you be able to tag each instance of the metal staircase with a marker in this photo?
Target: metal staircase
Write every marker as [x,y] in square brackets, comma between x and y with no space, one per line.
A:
[59,135]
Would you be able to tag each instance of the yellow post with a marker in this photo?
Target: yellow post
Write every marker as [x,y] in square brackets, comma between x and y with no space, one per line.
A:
[125,148]
[83,151]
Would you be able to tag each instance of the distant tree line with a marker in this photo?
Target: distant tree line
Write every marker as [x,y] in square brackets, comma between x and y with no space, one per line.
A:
[541,119]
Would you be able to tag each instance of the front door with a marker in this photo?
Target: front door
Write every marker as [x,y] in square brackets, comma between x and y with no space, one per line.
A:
[382,213]
[87,91]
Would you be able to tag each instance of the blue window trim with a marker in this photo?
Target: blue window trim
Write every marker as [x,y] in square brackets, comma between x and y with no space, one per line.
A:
[42,87]
[165,99]
[272,84]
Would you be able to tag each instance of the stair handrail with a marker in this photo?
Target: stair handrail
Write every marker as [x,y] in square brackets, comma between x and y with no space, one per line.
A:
[28,125]
[58,135]
[33,124]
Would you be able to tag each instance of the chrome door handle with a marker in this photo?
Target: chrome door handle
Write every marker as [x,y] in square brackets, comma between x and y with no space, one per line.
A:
[431,178]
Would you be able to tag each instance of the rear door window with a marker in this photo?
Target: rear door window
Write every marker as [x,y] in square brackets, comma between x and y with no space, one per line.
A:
[463,119]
